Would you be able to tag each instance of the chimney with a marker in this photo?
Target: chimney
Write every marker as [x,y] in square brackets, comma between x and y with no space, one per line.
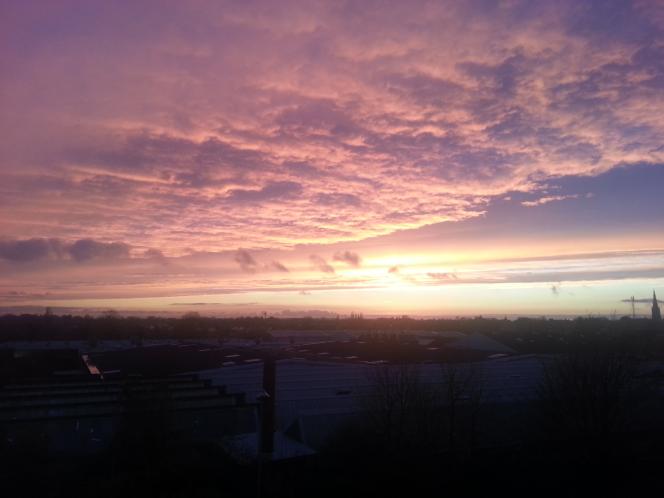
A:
[267,407]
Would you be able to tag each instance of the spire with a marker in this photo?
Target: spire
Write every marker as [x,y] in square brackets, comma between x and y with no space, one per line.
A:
[656,314]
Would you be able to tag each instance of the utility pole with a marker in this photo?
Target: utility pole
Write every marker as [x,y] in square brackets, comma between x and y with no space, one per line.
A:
[267,412]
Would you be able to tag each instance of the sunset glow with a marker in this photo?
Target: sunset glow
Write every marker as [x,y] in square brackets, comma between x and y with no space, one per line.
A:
[425,158]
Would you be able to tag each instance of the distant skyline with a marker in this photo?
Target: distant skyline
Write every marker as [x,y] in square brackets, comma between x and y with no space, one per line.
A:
[420,158]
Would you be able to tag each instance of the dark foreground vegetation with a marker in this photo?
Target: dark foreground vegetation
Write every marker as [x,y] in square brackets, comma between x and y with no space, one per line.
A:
[594,428]
[526,335]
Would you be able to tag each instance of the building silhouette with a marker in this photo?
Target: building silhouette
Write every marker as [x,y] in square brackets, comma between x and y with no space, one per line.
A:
[656,314]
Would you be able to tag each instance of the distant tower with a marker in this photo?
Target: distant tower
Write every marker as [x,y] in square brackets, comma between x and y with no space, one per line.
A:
[656,315]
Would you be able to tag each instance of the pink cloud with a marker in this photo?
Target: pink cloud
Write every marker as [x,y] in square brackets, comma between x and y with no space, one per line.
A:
[247,124]
[547,199]
[349,257]
[392,135]
[320,264]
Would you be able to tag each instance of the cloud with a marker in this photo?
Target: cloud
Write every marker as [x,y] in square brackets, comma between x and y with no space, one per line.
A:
[196,304]
[154,254]
[21,295]
[23,251]
[80,251]
[439,276]
[338,199]
[349,257]
[393,137]
[249,264]
[547,199]
[271,191]
[336,135]
[276,265]
[89,249]
[320,264]
[245,260]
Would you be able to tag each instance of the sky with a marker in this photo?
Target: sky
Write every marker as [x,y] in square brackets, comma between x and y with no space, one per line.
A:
[430,158]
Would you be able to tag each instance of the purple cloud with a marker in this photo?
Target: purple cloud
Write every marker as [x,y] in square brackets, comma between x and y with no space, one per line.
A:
[320,264]
[80,250]
[338,200]
[154,254]
[245,260]
[349,257]
[271,191]
[276,265]
[89,249]
[22,251]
